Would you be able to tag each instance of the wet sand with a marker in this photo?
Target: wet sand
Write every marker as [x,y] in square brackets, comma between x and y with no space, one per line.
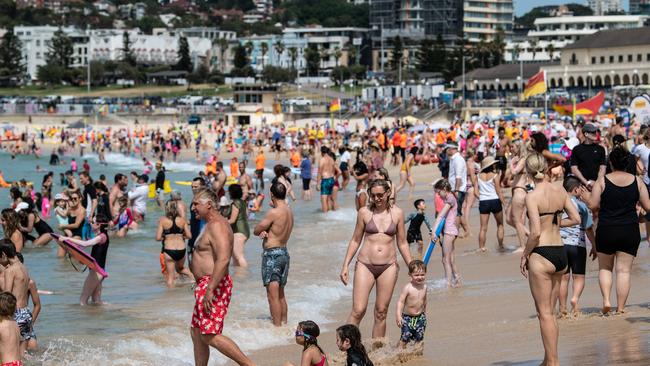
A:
[491,320]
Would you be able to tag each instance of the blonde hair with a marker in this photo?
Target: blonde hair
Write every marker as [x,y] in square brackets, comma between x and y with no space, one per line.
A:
[378,183]
[171,210]
[536,166]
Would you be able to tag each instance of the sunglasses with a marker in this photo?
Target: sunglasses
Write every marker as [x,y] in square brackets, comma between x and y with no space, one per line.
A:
[377,195]
[299,333]
[74,198]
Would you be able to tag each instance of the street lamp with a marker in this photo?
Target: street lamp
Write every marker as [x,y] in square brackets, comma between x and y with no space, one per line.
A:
[475,90]
[636,77]
[589,83]
[497,81]
[612,72]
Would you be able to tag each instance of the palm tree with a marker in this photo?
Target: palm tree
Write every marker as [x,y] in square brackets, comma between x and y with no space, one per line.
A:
[516,50]
[265,49]
[324,55]
[223,47]
[279,48]
[352,54]
[551,50]
[293,55]
[533,47]
[337,55]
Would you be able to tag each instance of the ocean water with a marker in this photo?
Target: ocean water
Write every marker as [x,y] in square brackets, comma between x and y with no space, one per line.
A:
[144,323]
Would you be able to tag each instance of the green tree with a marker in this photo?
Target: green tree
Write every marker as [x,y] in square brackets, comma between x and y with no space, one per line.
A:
[324,55]
[533,47]
[312,60]
[498,48]
[426,56]
[127,53]
[264,49]
[223,47]
[200,75]
[279,49]
[97,70]
[60,50]
[184,61]
[352,54]
[241,57]
[51,74]
[398,53]
[551,51]
[11,57]
[274,74]
[339,74]
[293,55]
[337,55]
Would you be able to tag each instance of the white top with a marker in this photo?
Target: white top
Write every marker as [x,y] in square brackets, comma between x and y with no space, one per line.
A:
[345,157]
[139,197]
[642,152]
[458,169]
[486,190]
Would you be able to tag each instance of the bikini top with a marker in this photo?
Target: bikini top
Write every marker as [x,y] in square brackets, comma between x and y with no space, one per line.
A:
[174,229]
[371,227]
[555,215]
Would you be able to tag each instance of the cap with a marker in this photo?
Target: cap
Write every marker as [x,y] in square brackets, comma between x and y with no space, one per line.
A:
[571,142]
[22,206]
[590,128]
[59,196]
[451,145]
[224,201]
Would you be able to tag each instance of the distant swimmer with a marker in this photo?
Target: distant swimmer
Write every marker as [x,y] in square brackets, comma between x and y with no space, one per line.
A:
[212,254]
[275,230]
[325,180]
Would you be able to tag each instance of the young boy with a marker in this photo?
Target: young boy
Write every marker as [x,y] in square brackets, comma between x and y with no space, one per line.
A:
[412,305]
[576,247]
[9,333]
[413,234]
[16,281]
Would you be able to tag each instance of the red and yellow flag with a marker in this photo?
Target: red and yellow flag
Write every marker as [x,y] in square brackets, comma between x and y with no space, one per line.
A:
[335,105]
[535,85]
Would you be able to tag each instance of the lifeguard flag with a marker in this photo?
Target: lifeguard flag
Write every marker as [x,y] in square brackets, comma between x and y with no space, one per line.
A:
[335,105]
[535,85]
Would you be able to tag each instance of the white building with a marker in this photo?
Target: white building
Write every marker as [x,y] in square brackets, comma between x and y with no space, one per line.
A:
[197,32]
[484,19]
[36,40]
[148,49]
[601,7]
[555,33]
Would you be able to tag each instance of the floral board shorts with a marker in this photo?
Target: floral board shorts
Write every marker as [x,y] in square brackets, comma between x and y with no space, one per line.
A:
[413,327]
[211,323]
[275,265]
[23,318]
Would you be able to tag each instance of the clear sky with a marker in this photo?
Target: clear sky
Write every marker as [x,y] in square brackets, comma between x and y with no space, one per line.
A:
[524,6]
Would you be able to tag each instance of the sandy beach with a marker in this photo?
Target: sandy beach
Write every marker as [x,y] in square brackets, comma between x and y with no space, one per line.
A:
[490,320]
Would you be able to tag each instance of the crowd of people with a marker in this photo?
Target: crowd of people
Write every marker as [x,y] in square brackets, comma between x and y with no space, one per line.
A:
[572,186]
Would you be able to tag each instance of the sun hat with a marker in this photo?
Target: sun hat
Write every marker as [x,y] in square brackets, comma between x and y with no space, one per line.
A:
[488,162]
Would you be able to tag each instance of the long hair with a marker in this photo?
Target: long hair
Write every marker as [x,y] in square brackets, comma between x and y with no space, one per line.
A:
[378,183]
[352,334]
[11,221]
[384,173]
[536,165]
[171,209]
[311,331]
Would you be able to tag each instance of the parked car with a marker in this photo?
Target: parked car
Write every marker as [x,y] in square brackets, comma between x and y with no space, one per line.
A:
[300,101]
[227,102]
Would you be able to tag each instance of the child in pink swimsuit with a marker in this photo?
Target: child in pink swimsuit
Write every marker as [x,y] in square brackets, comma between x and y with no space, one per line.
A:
[449,213]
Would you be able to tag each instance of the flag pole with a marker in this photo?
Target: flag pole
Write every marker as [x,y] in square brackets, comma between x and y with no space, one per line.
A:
[546,100]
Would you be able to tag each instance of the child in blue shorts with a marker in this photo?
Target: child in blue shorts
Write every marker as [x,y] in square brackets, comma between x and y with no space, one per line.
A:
[412,305]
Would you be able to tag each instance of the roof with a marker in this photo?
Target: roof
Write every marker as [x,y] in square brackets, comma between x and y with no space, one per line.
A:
[614,38]
[591,19]
[170,73]
[504,72]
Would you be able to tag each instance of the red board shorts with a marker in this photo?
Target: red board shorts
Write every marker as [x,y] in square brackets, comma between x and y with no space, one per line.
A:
[13,363]
[211,323]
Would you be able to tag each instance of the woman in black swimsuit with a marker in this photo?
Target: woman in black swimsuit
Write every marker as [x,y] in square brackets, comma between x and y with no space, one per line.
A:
[617,235]
[544,259]
[172,231]
[76,216]
[30,220]
[379,226]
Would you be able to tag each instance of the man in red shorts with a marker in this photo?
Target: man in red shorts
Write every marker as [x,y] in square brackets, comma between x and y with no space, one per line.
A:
[212,252]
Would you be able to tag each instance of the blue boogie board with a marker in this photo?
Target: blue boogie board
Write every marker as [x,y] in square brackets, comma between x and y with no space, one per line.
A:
[432,243]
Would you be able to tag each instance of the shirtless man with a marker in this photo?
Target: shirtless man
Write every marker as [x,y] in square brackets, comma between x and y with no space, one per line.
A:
[503,148]
[220,181]
[325,179]
[275,230]
[16,281]
[246,182]
[10,354]
[117,191]
[212,252]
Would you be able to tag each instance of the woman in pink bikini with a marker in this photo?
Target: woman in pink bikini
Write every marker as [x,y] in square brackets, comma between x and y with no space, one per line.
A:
[379,226]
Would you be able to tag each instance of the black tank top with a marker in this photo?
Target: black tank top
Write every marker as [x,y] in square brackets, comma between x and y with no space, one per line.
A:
[618,204]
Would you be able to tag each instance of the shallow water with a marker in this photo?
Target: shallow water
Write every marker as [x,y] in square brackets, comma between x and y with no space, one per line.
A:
[144,323]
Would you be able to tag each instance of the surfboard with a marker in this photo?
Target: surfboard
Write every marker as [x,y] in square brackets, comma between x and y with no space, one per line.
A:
[295,170]
[183,183]
[432,243]
[231,180]
[79,255]
[167,187]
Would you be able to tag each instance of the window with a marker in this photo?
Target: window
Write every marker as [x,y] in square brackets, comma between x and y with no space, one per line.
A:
[639,57]
[574,60]
[38,42]
[629,58]
[620,58]
[611,59]
[593,60]
[602,59]
[38,55]
[647,57]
